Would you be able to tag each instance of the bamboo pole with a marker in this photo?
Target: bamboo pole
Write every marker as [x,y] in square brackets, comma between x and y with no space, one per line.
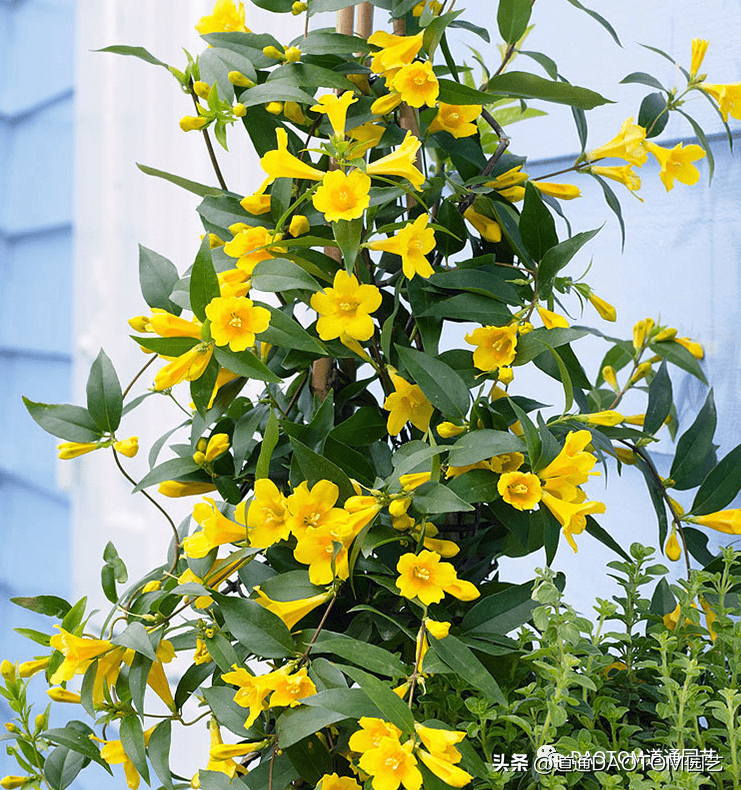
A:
[365,20]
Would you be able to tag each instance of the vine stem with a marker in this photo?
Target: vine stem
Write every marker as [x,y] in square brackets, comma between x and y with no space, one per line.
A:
[322,622]
[137,377]
[157,505]
[210,147]
[417,662]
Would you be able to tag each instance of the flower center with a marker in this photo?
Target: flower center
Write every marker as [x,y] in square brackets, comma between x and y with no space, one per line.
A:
[454,118]
[347,307]
[391,763]
[235,321]
[520,488]
[415,244]
[422,573]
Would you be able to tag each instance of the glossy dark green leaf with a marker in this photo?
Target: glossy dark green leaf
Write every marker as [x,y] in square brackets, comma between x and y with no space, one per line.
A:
[158,750]
[500,613]
[612,201]
[173,469]
[259,630]
[310,758]
[697,545]
[704,142]
[204,284]
[132,740]
[444,388]
[656,493]
[653,115]
[455,93]
[62,767]
[390,705]
[280,274]
[678,355]
[660,399]
[244,363]
[537,226]
[521,85]
[135,637]
[71,423]
[663,600]
[557,257]
[49,605]
[481,445]
[322,42]
[696,442]
[640,77]
[597,17]
[249,45]
[512,19]
[721,486]
[134,52]
[157,275]
[315,468]
[478,485]
[536,342]
[138,676]
[307,75]
[295,724]
[464,663]
[550,67]
[76,741]
[433,498]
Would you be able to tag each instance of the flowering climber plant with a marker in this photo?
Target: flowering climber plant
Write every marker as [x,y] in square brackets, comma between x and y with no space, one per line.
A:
[341,564]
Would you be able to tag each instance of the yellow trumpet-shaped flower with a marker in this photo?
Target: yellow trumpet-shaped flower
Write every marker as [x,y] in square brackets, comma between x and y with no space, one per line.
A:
[407,404]
[412,242]
[572,516]
[367,136]
[346,307]
[572,463]
[113,753]
[522,490]
[290,612]
[417,84]
[487,227]
[439,629]
[550,319]
[252,693]
[623,174]
[283,164]
[325,550]
[699,48]
[258,202]
[450,774]
[266,517]
[68,450]
[251,245]
[396,51]
[235,321]
[216,530]
[425,577]
[605,309]
[496,346]
[292,110]
[400,162]
[343,195]
[457,119]
[289,687]
[728,98]
[676,163]
[371,731]
[167,325]
[392,764]
[728,521]
[226,17]
[79,652]
[562,191]
[335,108]
[299,225]
[337,782]
[188,366]
[627,144]
[309,508]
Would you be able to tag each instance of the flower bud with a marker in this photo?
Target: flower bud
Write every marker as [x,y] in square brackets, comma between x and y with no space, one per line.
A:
[666,334]
[299,8]
[40,722]
[152,586]
[641,331]
[274,107]
[59,694]
[449,429]
[202,444]
[29,668]
[506,374]
[199,457]
[399,507]
[68,450]
[217,445]
[385,104]
[438,628]
[214,242]
[7,670]
[239,110]
[694,348]
[201,89]
[9,782]
[292,110]
[12,728]
[140,323]
[625,455]
[293,55]
[299,225]
[273,52]
[190,123]
[128,447]
[672,549]
[605,309]
[640,372]
[238,79]
[635,419]
[608,374]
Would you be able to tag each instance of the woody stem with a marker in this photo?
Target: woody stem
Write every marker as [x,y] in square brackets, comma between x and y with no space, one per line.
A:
[136,378]
[322,622]
[211,152]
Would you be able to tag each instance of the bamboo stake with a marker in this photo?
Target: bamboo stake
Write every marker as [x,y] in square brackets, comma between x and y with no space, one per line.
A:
[365,20]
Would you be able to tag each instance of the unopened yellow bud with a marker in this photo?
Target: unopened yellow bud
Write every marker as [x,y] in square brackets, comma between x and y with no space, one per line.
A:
[175,489]
[273,52]
[9,782]
[608,374]
[12,728]
[292,110]
[299,225]
[640,372]
[274,107]
[694,348]
[609,418]
[625,455]
[217,445]
[40,721]
[398,507]
[128,447]
[191,123]
[360,81]
[641,331]
[676,507]
[199,457]
[59,694]
[239,110]
[293,55]
[635,419]
[201,89]
[506,374]
[386,104]
[140,323]
[238,79]
[202,444]
[68,450]
[438,628]
[29,668]
[299,8]
[449,429]
[152,586]
[666,334]
[672,549]
[605,309]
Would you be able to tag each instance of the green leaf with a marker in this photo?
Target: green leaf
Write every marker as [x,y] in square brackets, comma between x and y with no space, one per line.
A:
[135,637]
[138,676]
[295,724]
[184,183]
[481,445]
[464,663]
[134,52]
[167,346]
[469,307]
[321,42]
[286,332]
[557,257]
[279,274]
[500,613]
[72,423]
[604,537]
[157,278]
[534,343]
[548,64]
[512,19]
[310,758]
[249,45]
[721,486]
[613,203]
[348,234]
[244,363]
[76,741]
[678,355]
[259,630]
[132,740]
[521,85]
[662,601]
[315,468]
[640,77]
[653,115]
[438,498]
[697,545]
[656,494]
[660,399]
[701,136]
[204,283]
[275,90]
[173,469]
[269,441]
[695,443]
[465,25]
[104,398]
[62,767]
[605,24]
[230,715]
[412,455]
[456,93]
[158,749]
[49,605]
[307,75]
[391,706]
[351,703]
[477,485]
[442,385]
[537,226]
